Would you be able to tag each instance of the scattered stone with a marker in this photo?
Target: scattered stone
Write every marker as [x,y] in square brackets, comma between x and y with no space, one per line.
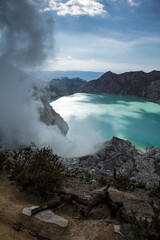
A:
[99,190]
[117,229]
[46,216]
[87,196]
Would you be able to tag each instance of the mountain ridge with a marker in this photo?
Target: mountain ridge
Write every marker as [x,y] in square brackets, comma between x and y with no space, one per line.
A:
[134,83]
[67,85]
[48,75]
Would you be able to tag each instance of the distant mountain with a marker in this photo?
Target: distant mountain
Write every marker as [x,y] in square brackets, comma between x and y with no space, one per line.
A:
[48,75]
[139,84]
[68,86]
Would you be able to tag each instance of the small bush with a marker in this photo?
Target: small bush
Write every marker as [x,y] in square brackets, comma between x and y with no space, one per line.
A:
[4,154]
[141,185]
[73,173]
[145,229]
[102,180]
[122,182]
[37,170]
[137,227]
[87,176]
[155,191]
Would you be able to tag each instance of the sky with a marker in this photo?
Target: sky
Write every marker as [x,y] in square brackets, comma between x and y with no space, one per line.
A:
[102,35]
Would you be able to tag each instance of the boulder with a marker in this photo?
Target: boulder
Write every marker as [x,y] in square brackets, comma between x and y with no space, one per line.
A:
[46,216]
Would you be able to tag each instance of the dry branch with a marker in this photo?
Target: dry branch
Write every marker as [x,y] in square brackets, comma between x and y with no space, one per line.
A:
[102,197]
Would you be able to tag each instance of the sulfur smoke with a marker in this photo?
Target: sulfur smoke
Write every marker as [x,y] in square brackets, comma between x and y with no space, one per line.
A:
[24,40]
[25,36]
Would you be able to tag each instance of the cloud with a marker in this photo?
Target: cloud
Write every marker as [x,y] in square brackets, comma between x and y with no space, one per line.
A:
[62,58]
[119,46]
[132,3]
[76,7]
[88,46]
[96,53]
[98,65]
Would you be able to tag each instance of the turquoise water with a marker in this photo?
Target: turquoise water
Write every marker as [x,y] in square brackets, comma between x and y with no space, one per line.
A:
[99,117]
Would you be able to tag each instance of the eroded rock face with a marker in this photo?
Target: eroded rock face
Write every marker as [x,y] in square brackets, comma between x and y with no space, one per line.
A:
[48,115]
[67,85]
[123,156]
[112,154]
[138,84]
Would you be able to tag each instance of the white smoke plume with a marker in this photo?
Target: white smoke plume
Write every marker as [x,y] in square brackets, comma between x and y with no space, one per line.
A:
[24,39]
[25,36]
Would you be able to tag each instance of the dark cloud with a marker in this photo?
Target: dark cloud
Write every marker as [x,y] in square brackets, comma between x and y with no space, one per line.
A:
[25,36]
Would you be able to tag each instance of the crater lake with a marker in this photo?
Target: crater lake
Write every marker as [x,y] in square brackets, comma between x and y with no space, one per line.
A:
[99,117]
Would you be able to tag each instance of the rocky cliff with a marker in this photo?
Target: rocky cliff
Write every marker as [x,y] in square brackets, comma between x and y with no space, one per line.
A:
[138,84]
[123,156]
[67,85]
[45,93]
[50,117]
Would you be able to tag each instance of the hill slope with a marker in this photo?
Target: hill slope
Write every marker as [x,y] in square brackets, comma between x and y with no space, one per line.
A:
[138,84]
[67,85]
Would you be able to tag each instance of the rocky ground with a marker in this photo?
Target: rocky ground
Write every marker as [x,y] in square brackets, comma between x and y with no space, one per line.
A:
[98,226]
[86,177]
[124,157]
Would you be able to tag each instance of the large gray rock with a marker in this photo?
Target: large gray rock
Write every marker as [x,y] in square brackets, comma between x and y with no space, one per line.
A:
[111,154]
[122,155]
[48,115]
[46,216]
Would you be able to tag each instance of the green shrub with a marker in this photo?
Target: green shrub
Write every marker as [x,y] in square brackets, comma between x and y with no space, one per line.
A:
[102,180]
[75,173]
[137,227]
[122,182]
[155,191]
[146,229]
[141,185]
[4,154]
[37,170]
[87,176]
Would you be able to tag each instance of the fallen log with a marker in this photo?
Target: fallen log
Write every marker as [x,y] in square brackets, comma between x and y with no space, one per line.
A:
[103,197]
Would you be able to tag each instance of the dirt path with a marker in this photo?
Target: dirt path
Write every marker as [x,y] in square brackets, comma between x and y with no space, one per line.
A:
[15,226]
